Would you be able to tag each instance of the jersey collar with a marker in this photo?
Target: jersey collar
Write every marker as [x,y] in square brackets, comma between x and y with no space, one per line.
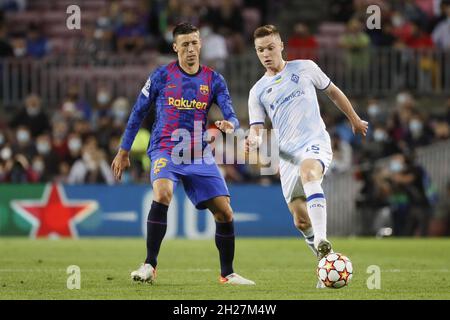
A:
[188,74]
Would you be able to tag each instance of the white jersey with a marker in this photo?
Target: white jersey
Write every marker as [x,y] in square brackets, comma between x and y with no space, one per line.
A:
[289,99]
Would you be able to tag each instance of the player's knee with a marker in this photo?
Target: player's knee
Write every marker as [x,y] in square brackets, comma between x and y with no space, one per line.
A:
[163,196]
[225,215]
[309,174]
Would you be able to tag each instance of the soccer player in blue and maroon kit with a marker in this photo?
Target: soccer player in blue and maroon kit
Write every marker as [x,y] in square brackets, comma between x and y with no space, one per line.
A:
[183,92]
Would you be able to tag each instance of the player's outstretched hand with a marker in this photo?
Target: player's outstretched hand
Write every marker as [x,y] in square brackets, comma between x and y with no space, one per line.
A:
[225,126]
[120,163]
[360,126]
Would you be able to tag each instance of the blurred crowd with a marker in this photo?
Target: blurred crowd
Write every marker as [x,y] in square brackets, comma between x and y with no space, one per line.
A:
[130,27]
[72,145]
[397,194]
[411,41]
[77,142]
[415,24]
[137,25]
[398,198]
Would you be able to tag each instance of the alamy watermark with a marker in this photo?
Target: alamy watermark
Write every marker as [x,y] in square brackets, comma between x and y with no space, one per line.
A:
[374,280]
[74,278]
[212,146]
[73,21]
[374,19]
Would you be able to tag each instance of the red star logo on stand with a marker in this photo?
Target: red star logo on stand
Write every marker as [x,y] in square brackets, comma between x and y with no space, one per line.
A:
[54,214]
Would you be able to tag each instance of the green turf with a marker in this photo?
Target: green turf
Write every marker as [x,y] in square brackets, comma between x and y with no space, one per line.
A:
[188,269]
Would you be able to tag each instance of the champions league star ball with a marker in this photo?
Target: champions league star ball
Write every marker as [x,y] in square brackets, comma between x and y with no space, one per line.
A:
[335,270]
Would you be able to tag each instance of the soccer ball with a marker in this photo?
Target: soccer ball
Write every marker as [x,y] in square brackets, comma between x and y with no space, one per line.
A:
[335,270]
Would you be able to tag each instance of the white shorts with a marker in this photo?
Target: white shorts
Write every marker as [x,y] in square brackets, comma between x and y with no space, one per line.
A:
[290,172]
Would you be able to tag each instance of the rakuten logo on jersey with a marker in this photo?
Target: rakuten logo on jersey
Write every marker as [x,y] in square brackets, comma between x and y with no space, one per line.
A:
[184,104]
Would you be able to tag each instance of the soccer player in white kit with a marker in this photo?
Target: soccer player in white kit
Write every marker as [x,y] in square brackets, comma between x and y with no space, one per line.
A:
[287,94]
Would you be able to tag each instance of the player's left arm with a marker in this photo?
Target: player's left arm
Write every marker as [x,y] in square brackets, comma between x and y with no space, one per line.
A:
[342,102]
[223,100]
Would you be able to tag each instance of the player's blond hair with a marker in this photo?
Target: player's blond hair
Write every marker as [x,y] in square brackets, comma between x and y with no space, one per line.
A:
[267,30]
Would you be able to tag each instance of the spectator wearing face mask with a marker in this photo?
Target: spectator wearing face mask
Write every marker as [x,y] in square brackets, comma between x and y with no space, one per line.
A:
[47,155]
[402,28]
[102,107]
[411,196]
[92,167]
[32,116]
[39,169]
[74,144]
[393,182]
[375,112]
[419,132]
[379,144]
[23,142]
[120,110]
[19,45]
[68,113]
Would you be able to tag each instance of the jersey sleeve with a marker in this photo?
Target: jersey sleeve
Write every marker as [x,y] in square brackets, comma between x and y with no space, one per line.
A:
[256,112]
[146,97]
[223,100]
[318,77]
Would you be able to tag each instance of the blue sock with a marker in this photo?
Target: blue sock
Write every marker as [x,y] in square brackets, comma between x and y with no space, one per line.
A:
[225,245]
[156,229]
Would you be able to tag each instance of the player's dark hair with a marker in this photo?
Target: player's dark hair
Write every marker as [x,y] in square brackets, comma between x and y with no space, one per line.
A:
[266,30]
[184,28]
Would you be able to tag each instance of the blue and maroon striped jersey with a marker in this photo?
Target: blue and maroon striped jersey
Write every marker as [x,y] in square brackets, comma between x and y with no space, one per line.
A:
[180,99]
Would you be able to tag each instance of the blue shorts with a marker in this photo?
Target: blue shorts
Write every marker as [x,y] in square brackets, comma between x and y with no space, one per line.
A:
[201,181]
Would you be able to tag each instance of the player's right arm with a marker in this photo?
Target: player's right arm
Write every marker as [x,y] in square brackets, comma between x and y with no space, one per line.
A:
[257,116]
[342,102]
[321,81]
[140,110]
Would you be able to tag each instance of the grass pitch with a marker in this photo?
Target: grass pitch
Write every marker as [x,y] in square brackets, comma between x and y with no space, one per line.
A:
[189,269]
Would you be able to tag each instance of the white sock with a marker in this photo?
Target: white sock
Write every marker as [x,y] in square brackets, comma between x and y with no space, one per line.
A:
[308,234]
[317,209]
